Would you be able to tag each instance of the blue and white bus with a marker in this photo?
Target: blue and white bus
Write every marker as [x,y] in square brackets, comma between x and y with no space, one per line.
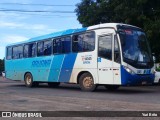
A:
[110,54]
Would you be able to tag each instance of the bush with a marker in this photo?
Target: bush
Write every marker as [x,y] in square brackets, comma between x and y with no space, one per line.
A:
[158,69]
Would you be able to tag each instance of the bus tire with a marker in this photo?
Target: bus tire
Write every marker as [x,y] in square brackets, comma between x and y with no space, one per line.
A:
[53,84]
[112,87]
[29,80]
[86,82]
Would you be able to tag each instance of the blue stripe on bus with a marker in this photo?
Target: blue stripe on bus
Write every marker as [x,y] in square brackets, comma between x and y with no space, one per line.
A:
[70,31]
[55,68]
[67,67]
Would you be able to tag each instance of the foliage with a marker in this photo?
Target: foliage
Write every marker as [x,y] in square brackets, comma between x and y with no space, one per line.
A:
[1,65]
[158,69]
[141,13]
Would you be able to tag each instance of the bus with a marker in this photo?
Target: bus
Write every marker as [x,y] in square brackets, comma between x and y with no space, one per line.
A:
[109,54]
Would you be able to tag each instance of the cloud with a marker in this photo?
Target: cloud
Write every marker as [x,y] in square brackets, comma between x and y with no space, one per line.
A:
[38,28]
[4,15]
[18,1]
[8,40]
[12,39]
[2,52]
[12,16]
[10,24]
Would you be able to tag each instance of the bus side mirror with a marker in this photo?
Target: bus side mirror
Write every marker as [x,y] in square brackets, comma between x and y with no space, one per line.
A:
[154,58]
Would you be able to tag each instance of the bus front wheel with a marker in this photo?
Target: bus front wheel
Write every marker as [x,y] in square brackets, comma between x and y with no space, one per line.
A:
[29,80]
[86,82]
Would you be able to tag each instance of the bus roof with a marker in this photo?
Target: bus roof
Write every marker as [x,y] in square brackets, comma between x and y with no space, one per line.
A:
[70,31]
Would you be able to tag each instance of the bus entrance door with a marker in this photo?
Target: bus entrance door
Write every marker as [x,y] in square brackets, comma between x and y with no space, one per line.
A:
[105,63]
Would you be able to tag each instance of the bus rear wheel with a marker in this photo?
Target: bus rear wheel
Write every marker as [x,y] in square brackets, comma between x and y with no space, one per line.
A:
[86,82]
[53,84]
[112,87]
[29,80]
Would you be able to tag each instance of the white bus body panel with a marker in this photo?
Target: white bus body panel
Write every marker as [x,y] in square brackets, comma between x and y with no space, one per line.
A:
[104,72]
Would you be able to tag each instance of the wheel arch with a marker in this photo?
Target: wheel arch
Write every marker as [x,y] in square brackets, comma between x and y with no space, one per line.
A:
[82,72]
[25,74]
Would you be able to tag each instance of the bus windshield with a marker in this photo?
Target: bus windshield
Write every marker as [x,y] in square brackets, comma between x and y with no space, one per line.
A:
[135,48]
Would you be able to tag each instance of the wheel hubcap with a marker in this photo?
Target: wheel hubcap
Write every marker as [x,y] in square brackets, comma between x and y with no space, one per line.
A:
[88,82]
[28,80]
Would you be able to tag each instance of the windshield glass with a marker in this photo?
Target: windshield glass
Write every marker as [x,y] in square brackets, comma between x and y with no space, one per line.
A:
[135,48]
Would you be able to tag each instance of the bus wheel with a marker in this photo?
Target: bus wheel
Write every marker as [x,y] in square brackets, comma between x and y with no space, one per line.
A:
[112,87]
[86,82]
[53,84]
[29,80]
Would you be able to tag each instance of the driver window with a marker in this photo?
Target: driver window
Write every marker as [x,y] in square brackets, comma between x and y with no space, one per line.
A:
[117,57]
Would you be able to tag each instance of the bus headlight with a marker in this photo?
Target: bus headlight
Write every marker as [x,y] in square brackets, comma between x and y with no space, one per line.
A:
[129,70]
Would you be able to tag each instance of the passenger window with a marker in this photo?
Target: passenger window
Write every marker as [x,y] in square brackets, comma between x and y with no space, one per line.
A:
[48,47]
[105,47]
[30,50]
[89,41]
[66,44]
[40,49]
[83,42]
[57,46]
[9,53]
[18,52]
[44,48]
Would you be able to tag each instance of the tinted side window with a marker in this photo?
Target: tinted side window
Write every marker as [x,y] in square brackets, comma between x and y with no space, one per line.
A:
[105,47]
[89,41]
[30,50]
[47,47]
[83,42]
[40,49]
[57,46]
[66,44]
[44,48]
[77,43]
[9,53]
[18,52]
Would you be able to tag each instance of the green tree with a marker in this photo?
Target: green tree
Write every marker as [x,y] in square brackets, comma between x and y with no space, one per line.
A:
[1,65]
[141,13]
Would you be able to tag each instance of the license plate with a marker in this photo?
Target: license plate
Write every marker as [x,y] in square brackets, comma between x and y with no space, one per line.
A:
[147,71]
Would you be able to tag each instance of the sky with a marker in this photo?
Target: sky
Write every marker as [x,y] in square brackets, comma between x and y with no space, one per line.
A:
[47,16]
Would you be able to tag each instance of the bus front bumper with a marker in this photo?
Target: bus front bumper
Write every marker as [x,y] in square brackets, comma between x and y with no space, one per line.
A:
[128,79]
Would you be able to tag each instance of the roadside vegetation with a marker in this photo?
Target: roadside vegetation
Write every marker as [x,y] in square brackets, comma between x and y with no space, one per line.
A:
[142,13]
[1,66]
